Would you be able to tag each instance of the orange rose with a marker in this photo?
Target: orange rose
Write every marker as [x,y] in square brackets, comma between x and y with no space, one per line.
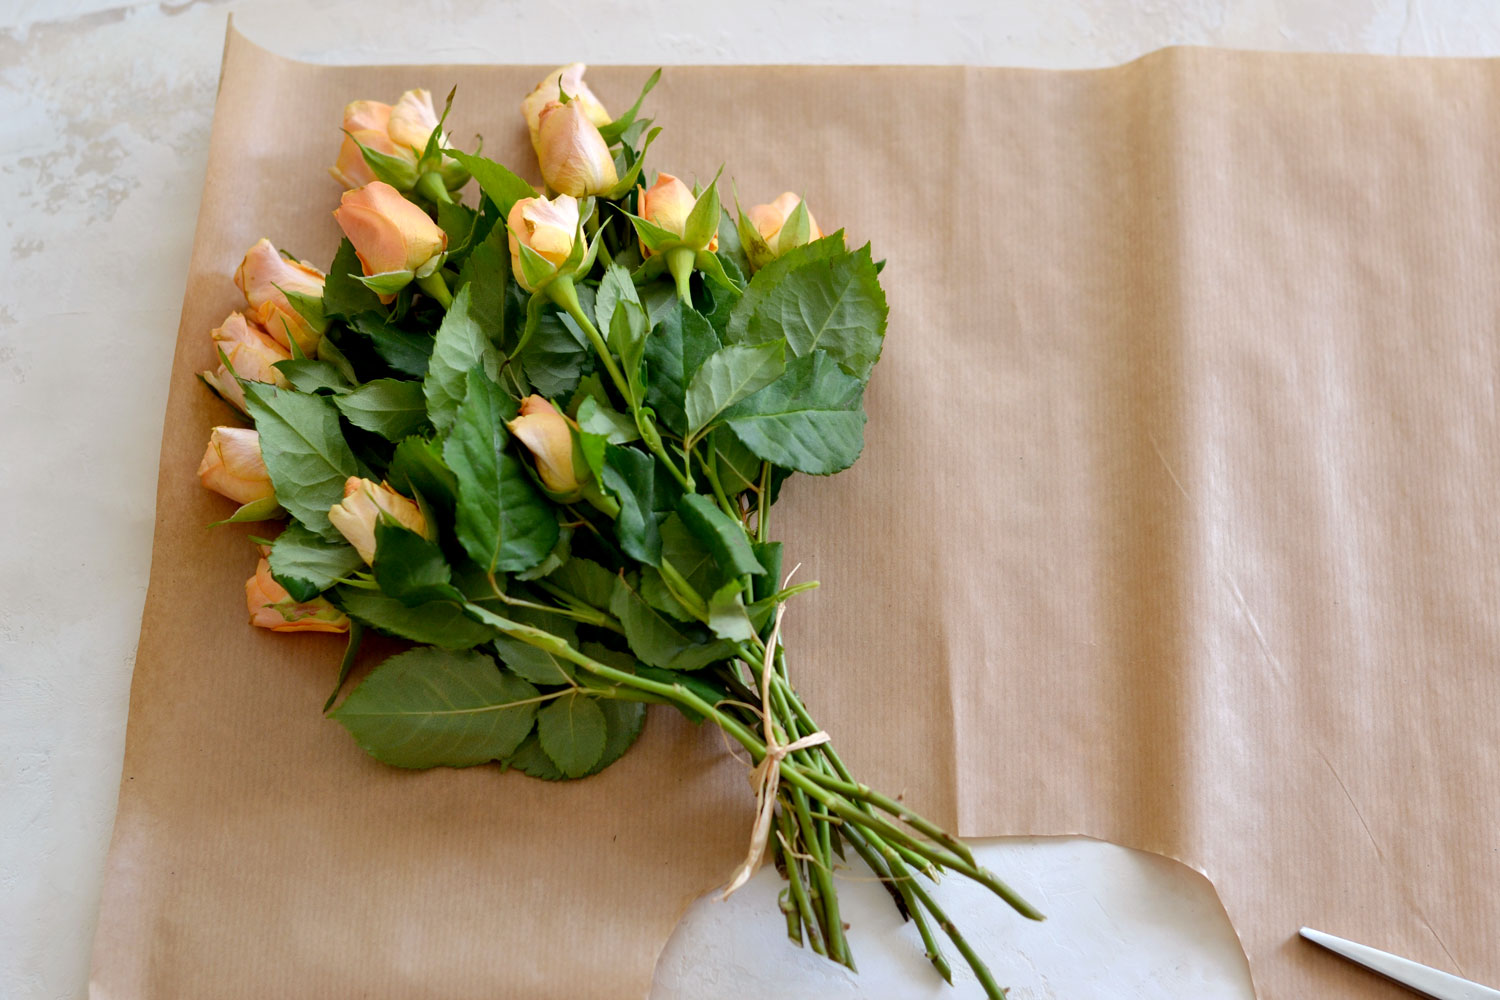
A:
[548,227]
[251,353]
[667,204]
[364,502]
[573,156]
[770,222]
[569,80]
[233,467]
[264,276]
[389,233]
[548,435]
[412,121]
[367,123]
[271,607]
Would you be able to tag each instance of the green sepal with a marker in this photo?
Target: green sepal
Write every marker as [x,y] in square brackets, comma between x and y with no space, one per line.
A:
[612,131]
[396,171]
[386,282]
[630,178]
[263,509]
[703,221]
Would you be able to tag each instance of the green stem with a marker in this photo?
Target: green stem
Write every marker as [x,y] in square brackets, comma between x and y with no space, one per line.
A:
[763,500]
[799,888]
[435,286]
[563,292]
[899,877]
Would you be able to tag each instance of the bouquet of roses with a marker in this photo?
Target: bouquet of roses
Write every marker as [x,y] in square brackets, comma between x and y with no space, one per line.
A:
[540,438]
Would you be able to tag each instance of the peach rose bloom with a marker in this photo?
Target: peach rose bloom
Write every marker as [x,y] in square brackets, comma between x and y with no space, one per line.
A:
[252,354]
[389,233]
[548,436]
[667,204]
[548,227]
[568,79]
[271,607]
[573,156]
[768,220]
[263,277]
[369,123]
[412,121]
[364,502]
[233,467]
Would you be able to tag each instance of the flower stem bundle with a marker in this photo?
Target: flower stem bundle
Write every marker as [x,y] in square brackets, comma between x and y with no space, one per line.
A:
[539,438]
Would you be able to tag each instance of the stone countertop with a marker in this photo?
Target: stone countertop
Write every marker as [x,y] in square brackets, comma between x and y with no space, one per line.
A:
[102,153]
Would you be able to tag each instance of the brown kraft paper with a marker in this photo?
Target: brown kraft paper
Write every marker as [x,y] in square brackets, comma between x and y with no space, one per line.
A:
[1175,527]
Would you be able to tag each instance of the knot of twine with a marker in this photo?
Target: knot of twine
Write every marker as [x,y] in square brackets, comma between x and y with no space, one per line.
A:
[765,777]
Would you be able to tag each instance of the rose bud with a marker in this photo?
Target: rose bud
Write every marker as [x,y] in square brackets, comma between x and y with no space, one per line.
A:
[413,120]
[364,503]
[567,80]
[770,222]
[232,465]
[667,204]
[366,123]
[548,435]
[252,355]
[574,158]
[547,227]
[389,233]
[265,276]
[271,607]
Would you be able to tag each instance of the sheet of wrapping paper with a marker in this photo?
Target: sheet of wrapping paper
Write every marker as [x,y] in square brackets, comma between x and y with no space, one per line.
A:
[1175,527]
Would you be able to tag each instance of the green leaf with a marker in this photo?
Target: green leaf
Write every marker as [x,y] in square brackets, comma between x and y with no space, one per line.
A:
[410,568]
[502,521]
[615,287]
[739,467]
[769,554]
[536,665]
[728,376]
[629,476]
[307,564]
[721,534]
[440,623]
[256,510]
[832,303]
[457,221]
[572,731]
[304,452]
[487,270]
[690,557]
[726,614]
[679,345]
[460,345]
[559,555]
[405,351]
[627,338]
[809,420]
[622,725]
[554,358]
[392,408]
[498,183]
[343,294]
[309,376]
[658,640]
[586,580]
[607,422]
[329,351]
[531,760]
[417,467]
[437,708]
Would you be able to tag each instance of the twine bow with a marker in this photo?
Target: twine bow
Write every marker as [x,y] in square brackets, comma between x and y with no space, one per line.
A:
[765,777]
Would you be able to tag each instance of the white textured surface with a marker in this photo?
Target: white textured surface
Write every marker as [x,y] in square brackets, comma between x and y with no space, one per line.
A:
[102,149]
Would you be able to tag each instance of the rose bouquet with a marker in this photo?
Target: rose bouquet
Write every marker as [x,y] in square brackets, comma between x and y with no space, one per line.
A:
[539,438]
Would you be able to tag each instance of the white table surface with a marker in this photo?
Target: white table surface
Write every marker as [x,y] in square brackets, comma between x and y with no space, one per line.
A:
[103,140]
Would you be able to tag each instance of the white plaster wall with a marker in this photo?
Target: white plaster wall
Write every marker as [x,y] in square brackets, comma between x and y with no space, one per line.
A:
[103,137]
